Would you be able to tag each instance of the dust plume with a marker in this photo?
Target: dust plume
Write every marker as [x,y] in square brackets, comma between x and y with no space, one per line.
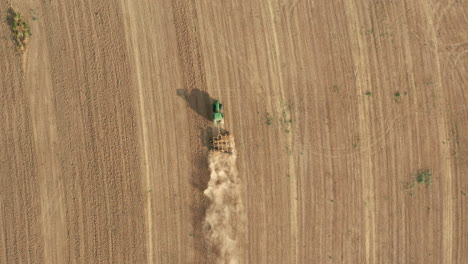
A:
[224,221]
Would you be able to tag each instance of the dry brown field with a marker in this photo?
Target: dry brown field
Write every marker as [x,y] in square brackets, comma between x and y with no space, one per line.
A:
[337,107]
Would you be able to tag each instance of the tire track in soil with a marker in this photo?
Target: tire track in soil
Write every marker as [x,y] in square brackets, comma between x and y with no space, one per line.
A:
[21,238]
[193,74]
[132,39]
[448,206]
[367,182]
[41,92]
[293,181]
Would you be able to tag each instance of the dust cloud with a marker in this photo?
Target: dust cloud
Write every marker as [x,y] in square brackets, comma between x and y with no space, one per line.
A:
[224,222]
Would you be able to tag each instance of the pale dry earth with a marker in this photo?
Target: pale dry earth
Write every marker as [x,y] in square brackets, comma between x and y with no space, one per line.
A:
[105,127]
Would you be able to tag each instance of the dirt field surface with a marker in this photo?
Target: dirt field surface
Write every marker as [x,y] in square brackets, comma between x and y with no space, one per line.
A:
[350,119]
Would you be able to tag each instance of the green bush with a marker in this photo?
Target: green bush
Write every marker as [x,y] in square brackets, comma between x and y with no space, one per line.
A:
[20,29]
[424,176]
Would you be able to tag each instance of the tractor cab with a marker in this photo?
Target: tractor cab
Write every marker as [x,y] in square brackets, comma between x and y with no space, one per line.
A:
[217,107]
[218,117]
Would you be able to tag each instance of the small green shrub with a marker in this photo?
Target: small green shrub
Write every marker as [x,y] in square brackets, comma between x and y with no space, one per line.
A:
[269,120]
[424,176]
[397,97]
[20,29]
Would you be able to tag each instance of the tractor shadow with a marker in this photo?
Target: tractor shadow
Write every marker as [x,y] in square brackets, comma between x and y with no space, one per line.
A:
[200,101]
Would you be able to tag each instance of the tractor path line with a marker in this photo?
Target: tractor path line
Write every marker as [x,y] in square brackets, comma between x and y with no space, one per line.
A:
[131,40]
[291,163]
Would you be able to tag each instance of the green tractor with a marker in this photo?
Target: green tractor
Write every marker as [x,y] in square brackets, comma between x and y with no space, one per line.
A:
[218,117]
[222,142]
